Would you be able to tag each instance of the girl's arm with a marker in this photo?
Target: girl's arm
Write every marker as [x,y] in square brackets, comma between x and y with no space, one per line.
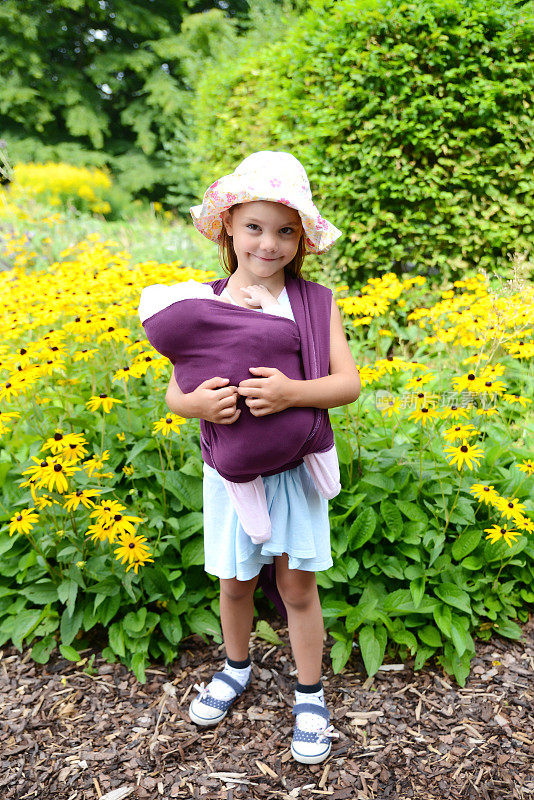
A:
[271,391]
[207,401]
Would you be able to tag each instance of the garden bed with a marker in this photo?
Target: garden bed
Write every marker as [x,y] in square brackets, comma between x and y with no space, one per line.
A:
[68,734]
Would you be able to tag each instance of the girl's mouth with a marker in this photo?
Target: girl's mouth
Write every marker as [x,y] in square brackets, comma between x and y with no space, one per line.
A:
[265,259]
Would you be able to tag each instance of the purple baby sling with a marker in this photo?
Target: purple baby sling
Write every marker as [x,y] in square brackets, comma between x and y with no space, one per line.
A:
[203,338]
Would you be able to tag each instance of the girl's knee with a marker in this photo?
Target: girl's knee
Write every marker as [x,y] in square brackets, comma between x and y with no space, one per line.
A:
[298,589]
[237,590]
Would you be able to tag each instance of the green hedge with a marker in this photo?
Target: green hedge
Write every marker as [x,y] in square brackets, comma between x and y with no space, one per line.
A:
[414,121]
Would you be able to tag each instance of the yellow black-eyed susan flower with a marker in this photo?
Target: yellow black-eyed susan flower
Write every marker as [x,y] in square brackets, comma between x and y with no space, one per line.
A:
[454,412]
[484,493]
[23,521]
[420,380]
[527,466]
[102,401]
[423,414]
[468,381]
[509,507]
[524,523]
[80,497]
[459,432]
[465,454]
[95,463]
[85,355]
[56,474]
[497,532]
[517,398]
[133,549]
[170,422]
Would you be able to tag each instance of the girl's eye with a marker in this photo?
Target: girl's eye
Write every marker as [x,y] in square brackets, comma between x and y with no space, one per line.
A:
[252,225]
[287,230]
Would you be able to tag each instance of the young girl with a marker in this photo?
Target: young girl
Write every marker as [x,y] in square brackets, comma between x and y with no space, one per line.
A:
[265,221]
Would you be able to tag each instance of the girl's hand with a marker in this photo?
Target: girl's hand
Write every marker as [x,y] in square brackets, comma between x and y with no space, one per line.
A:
[269,392]
[215,402]
[259,296]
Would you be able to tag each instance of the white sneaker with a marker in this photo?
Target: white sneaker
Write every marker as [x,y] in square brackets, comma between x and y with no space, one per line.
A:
[311,737]
[211,705]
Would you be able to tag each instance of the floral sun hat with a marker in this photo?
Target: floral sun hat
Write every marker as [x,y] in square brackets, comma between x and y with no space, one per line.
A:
[266,175]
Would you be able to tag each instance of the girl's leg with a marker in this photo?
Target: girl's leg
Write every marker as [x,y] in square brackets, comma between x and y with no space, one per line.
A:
[237,613]
[298,589]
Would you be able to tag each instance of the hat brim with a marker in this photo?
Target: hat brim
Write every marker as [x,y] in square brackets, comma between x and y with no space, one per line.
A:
[320,234]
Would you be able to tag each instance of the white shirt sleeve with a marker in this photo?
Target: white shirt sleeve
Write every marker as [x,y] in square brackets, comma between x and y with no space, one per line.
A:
[158,296]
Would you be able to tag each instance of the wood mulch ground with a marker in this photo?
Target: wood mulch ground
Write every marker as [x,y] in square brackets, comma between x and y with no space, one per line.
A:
[68,734]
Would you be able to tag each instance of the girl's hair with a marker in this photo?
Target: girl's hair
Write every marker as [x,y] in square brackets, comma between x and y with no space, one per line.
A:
[228,256]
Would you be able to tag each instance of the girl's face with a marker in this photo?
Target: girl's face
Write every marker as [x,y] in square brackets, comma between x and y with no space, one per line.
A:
[265,236]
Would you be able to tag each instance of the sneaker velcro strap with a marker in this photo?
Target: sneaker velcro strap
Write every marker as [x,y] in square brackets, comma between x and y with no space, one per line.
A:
[235,685]
[311,708]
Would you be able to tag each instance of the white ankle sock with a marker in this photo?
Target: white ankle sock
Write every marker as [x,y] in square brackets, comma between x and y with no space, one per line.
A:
[306,720]
[221,690]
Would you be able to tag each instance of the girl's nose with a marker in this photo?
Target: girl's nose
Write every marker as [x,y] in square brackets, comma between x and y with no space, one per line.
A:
[268,243]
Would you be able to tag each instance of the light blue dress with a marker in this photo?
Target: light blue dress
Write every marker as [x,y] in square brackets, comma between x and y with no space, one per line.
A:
[299,521]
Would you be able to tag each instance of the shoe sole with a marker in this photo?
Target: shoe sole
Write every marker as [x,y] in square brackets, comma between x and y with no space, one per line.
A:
[302,759]
[203,721]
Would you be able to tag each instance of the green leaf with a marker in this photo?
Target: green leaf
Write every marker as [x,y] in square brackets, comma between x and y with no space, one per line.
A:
[193,553]
[391,516]
[363,612]
[186,488]
[69,652]
[67,592]
[372,645]
[138,666]
[417,590]
[340,654]
[116,639]
[41,650]
[41,593]
[443,618]
[264,631]
[429,635]
[412,511]
[362,528]
[507,628]
[203,621]
[460,636]
[406,638]
[343,448]
[422,656]
[21,625]
[134,621]
[465,544]
[70,625]
[171,628]
[453,595]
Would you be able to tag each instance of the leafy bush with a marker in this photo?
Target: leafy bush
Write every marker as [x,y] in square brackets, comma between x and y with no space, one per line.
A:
[413,119]
[101,488]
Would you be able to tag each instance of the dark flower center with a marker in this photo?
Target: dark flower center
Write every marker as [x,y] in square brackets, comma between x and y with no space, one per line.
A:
[102,396]
[471,377]
[117,517]
[464,448]
[19,517]
[111,328]
[58,468]
[44,463]
[79,492]
[131,545]
[424,410]
[486,488]
[168,420]
[58,437]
